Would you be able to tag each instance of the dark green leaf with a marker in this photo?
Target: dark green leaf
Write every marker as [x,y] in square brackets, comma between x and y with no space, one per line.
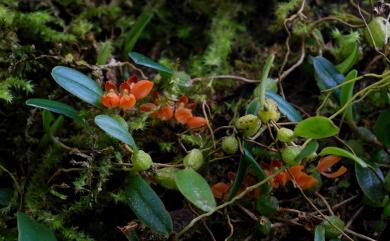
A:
[309,149]
[196,189]
[147,206]
[344,153]
[147,62]
[346,95]
[316,127]
[54,106]
[382,128]
[284,107]
[30,230]
[47,118]
[319,233]
[136,31]
[350,61]
[78,84]
[116,129]
[243,165]
[326,73]
[370,183]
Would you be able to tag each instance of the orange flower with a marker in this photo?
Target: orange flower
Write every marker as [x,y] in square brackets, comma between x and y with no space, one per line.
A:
[220,190]
[148,107]
[142,88]
[164,113]
[196,122]
[127,102]
[303,180]
[110,99]
[182,115]
[326,163]
[281,178]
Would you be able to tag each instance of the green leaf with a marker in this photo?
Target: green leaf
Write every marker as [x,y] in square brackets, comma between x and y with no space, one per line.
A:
[30,230]
[136,31]
[196,189]
[78,84]
[147,62]
[326,73]
[346,95]
[147,206]
[116,129]
[54,106]
[316,127]
[259,172]
[319,233]
[344,153]
[382,128]
[47,118]
[350,61]
[370,183]
[240,174]
[310,148]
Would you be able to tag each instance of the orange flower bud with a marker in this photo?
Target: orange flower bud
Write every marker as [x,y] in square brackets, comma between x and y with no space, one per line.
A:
[148,107]
[110,99]
[182,115]
[220,189]
[127,101]
[196,122]
[164,113]
[303,180]
[142,88]
[125,88]
[131,79]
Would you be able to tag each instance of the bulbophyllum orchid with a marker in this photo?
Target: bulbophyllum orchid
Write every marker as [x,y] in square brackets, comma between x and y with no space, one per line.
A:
[326,163]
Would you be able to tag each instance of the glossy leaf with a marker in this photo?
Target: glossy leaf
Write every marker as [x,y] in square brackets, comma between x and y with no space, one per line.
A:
[319,233]
[78,84]
[147,206]
[371,183]
[136,31]
[115,128]
[344,153]
[284,107]
[30,230]
[346,95]
[196,189]
[54,106]
[316,127]
[310,148]
[382,128]
[350,61]
[326,73]
[147,62]
[242,166]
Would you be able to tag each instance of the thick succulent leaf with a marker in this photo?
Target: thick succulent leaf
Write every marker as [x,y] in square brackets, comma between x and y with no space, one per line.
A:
[316,127]
[310,148]
[147,206]
[371,183]
[78,84]
[344,153]
[115,128]
[196,189]
[326,73]
[54,106]
[147,62]
[30,230]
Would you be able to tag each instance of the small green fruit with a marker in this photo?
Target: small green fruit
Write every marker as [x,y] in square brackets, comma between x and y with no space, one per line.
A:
[330,230]
[194,159]
[386,210]
[229,145]
[289,154]
[141,161]
[248,125]
[285,135]
[264,225]
[166,177]
[378,31]
[269,111]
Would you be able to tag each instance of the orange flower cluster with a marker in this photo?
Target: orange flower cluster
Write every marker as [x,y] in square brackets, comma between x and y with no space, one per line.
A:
[130,91]
[220,190]
[181,110]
